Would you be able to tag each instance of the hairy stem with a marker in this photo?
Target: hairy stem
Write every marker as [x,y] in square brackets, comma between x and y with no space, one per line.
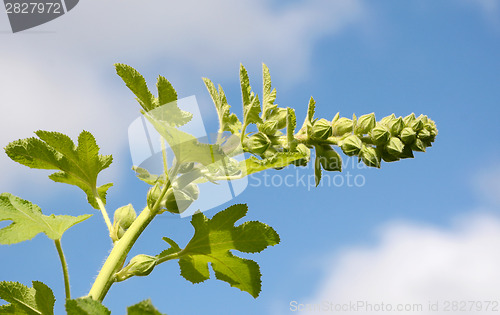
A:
[104,213]
[119,253]
[64,268]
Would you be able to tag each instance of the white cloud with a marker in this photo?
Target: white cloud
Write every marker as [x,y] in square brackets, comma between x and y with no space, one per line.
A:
[416,264]
[55,77]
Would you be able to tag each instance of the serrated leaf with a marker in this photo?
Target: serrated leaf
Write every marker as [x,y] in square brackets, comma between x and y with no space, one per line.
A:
[212,243]
[174,248]
[227,121]
[78,165]
[137,84]
[44,298]
[37,300]
[291,123]
[11,309]
[281,159]
[143,308]
[86,306]
[268,96]
[144,175]
[167,99]
[311,107]
[251,104]
[28,221]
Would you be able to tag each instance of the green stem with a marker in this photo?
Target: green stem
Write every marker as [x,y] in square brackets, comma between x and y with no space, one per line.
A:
[119,253]
[104,213]
[64,268]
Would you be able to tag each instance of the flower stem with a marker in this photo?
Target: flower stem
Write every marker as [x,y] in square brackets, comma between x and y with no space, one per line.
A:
[119,253]
[64,268]
[104,213]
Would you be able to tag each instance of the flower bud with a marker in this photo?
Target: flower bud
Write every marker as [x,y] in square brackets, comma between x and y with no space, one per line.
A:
[387,119]
[423,118]
[380,134]
[389,157]
[177,200]
[418,145]
[258,143]
[370,156]
[342,126]
[305,151]
[408,135]
[335,118]
[269,127]
[279,115]
[394,146]
[321,129]
[365,123]
[396,125]
[424,134]
[329,159]
[116,232]
[140,265]
[270,152]
[352,145]
[153,195]
[407,152]
[124,216]
[409,119]
[417,124]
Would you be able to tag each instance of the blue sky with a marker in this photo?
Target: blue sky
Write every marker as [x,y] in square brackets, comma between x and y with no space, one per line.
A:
[417,230]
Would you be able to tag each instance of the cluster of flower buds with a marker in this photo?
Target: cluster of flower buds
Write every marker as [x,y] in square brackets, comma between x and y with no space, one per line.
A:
[123,219]
[176,199]
[390,139]
[140,265]
[268,140]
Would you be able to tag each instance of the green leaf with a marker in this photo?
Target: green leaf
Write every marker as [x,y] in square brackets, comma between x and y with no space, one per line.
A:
[143,308]
[268,96]
[137,84]
[44,298]
[251,104]
[78,165]
[167,99]
[174,248]
[212,243]
[86,306]
[291,123]
[36,300]
[281,159]
[144,175]
[11,309]
[227,121]
[311,107]
[166,92]
[28,221]
[186,147]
